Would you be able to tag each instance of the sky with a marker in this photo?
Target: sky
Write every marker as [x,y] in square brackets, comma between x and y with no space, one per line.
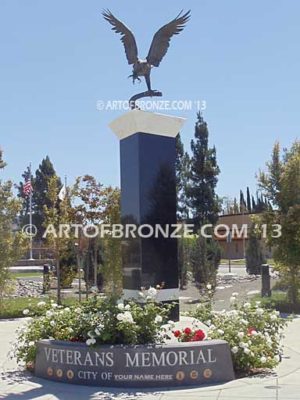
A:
[59,58]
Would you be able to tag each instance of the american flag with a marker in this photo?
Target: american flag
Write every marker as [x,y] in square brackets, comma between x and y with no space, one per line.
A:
[27,187]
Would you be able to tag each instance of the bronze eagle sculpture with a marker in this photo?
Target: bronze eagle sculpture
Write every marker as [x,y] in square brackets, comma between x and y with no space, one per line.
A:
[158,49]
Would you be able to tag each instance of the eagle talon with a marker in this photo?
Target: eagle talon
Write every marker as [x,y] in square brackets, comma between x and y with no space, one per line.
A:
[134,78]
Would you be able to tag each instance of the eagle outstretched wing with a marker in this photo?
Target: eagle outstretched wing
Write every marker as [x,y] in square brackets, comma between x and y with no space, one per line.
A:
[127,36]
[161,40]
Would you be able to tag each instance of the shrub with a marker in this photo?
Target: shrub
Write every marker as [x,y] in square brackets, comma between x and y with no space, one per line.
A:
[253,333]
[95,322]
[254,254]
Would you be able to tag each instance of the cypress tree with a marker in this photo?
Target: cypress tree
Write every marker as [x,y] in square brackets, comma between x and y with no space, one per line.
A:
[254,254]
[2,163]
[253,204]
[204,203]
[204,171]
[248,200]
[39,196]
[242,202]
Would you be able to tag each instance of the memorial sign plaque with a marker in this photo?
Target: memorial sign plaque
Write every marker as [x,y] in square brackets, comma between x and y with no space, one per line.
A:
[181,364]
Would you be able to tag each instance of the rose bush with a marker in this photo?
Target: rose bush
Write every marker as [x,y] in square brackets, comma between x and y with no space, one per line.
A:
[253,333]
[189,335]
[95,322]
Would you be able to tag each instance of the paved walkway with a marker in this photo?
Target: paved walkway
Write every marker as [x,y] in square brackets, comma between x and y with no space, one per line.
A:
[283,384]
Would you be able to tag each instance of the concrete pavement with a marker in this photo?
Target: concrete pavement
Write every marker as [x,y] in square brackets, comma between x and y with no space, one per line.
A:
[283,384]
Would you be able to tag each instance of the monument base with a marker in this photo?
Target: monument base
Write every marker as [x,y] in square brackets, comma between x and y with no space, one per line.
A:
[166,365]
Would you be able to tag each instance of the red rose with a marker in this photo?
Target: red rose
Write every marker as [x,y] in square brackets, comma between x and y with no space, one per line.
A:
[251,330]
[187,331]
[176,333]
[200,334]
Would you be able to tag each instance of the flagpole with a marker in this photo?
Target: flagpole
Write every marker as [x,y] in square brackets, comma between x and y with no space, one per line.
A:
[58,271]
[30,218]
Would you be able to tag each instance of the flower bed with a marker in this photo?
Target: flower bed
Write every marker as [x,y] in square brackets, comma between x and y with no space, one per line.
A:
[252,332]
[105,342]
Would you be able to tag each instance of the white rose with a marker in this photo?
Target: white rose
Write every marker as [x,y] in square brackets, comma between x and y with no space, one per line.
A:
[52,323]
[90,342]
[220,331]
[208,286]
[158,319]
[127,307]
[235,349]
[247,305]
[128,317]
[259,311]
[49,314]
[152,292]
[41,304]
[241,335]
[120,317]
[31,343]
[54,305]
[273,317]
[26,311]
[246,350]
[121,306]
[67,309]
[263,360]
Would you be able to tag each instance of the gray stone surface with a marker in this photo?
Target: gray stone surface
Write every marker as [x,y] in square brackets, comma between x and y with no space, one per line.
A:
[167,365]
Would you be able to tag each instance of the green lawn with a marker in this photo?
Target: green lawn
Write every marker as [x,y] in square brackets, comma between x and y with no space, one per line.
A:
[278,301]
[13,308]
[233,262]
[242,261]
[27,275]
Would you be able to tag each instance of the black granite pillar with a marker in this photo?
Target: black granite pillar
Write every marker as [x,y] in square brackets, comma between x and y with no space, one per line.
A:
[148,199]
